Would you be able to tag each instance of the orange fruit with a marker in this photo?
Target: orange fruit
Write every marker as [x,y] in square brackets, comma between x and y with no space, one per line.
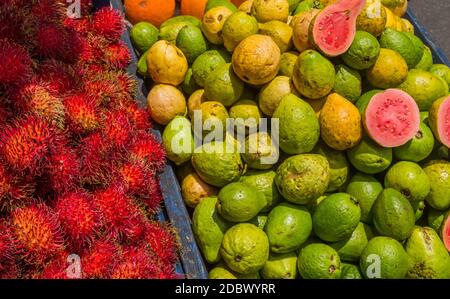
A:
[194,8]
[152,11]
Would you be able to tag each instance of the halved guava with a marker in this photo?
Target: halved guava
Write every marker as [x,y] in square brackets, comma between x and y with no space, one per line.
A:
[439,120]
[446,231]
[392,118]
[334,28]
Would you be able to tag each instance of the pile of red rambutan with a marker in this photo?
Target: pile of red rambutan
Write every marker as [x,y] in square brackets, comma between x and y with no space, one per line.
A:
[78,167]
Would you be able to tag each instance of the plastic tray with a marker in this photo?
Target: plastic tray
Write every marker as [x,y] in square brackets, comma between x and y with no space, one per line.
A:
[191,263]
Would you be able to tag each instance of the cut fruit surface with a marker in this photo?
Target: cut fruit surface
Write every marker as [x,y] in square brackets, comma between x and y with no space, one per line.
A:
[439,119]
[334,27]
[392,118]
[446,231]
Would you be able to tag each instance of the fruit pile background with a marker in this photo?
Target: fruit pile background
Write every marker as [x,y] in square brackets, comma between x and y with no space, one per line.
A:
[361,174]
[78,166]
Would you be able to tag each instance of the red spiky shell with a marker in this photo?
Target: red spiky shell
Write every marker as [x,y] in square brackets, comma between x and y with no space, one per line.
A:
[146,150]
[96,168]
[58,76]
[58,42]
[82,113]
[135,263]
[64,168]
[78,218]
[100,260]
[36,233]
[117,128]
[26,143]
[16,65]
[120,215]
[48,11]
[109,23]
[117,55]
[162,241]
[133,177]
[139,116]
[6,246]
[37,98]
[9,26]
[15,191]
[80,25]
[58,268]
[153,195]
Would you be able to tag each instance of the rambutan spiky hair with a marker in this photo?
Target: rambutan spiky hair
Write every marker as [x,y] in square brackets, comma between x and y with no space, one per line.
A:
[135,263]
[153,196]
[37,98]
[145,149]
[119,213]
[162,241]
[109,23]
[78,218]
[16,66]
[64,168]
[100,260]
[36,233]
[49,11]
[26,144]
[117,128]
[58,76]
[96,168]
[82,113]
[15,191]
[6,246]
[58,42]
[117,55]
[139,116]
[10,29]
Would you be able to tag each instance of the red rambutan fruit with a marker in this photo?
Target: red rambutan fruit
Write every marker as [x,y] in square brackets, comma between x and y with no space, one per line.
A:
[120,215]
[78,218]
[139,116]
[36,233]
[16,65]
[37,98]
[133,177]
[9,28]
[117,128]
[11,270]
[96,168]
[64,168]
[15,191]
[80,25]
[125,81]
[108,23]
[100,260]
[6,246]
[145,149]
[26,143]
[59,76]
[82,113]
[102,91]
[58,42]
[48,11]
[117,55]
[135,263]
[60,267]
[153,195]
[162,241]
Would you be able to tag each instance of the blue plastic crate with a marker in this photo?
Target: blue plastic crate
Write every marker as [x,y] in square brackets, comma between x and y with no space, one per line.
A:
[191,263]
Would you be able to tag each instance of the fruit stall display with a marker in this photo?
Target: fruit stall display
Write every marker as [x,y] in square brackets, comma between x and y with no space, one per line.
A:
[360,168]
[79,171]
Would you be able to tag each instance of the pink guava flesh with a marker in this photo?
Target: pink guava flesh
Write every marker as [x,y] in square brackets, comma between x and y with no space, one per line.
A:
[335,27]
[443,125]
[446,233]
[392,118]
